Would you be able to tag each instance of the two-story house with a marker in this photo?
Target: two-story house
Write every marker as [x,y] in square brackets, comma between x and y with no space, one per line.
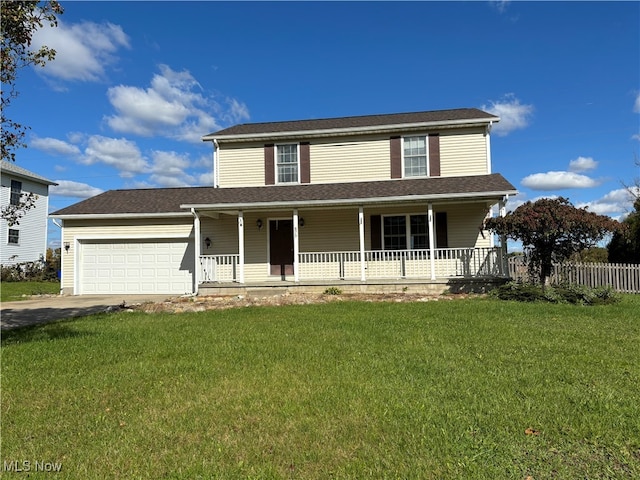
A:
[370,202]
[25,241]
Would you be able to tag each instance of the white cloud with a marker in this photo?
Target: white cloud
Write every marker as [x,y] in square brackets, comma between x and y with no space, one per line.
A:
[500,5]
[205,179]
[173,106]
[582,164]
[119,153]
[67,188]
[515,201]
[513,115]
[557,181]
[204,161]
[83,50]
[615,203]
[636,105]
[55,146]
[170,170]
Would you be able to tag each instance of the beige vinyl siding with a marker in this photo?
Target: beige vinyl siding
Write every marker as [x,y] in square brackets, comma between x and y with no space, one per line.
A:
[463,222]
[241,165]
[463,154]
[335,230]
[106,229]
[350,160]
[223,233]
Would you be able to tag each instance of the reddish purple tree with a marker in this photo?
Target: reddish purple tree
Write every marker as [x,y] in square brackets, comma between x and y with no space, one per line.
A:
[551,230]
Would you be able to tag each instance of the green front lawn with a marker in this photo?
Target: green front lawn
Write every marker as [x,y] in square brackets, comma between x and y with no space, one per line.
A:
[12,291]
[475,388]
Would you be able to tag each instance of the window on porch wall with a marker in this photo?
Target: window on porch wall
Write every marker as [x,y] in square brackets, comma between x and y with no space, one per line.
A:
[401,232]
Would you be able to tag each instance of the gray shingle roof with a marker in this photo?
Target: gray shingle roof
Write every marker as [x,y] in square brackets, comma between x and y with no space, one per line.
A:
[23,172]
[388,120]
[170,200]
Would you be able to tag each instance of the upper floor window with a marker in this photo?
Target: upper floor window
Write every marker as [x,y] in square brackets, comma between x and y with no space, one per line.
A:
[287,166]
[14,236]
[16,192]
[415,156]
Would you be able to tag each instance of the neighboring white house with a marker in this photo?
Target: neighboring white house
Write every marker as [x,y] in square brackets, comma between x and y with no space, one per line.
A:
[26,241]
[363,202]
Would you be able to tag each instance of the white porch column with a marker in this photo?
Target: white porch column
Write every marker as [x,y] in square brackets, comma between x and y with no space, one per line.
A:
[502,206]
[241,246]
[363,275]
[296,247]
[196,243]
[432,241]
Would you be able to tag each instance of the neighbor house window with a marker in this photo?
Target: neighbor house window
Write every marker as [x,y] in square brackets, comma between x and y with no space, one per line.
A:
[16,191]
[287,163]
[415,156]
[14,236]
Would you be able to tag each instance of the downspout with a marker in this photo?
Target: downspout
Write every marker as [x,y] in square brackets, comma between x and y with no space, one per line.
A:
[488,146]
[432,241]
[216,161]
[503,238]
[196,245]
[61,227]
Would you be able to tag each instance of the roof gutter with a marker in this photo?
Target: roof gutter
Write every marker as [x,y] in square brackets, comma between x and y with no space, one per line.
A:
[351,130]
[119,216]
[347,202]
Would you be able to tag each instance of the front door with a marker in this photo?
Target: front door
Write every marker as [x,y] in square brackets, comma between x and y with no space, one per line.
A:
[281,247]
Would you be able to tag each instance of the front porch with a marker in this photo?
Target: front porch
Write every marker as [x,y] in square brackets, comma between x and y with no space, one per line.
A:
[374,271]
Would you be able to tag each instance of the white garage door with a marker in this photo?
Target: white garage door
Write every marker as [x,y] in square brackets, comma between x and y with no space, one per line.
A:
[129,267]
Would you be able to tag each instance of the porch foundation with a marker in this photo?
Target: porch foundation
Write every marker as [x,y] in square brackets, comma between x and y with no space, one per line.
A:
[431,287]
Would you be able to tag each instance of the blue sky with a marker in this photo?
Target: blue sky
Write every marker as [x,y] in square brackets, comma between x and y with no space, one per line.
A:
[135,85]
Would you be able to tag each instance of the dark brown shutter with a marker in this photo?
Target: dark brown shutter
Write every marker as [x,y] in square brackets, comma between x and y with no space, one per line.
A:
[269,167]
[442,240]
[305,163]
[376,232]
[396,157]
[434,154]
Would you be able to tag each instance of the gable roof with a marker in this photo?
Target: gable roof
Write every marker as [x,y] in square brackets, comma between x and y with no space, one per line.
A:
[366,123]
[177,201]
[17,171]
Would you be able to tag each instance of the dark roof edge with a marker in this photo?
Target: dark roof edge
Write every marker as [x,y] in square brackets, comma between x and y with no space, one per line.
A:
[283,129]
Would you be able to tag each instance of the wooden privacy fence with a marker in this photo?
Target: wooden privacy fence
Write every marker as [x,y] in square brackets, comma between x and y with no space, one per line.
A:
[621,277]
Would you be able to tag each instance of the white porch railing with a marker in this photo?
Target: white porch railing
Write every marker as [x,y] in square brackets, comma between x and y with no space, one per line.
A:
[219,268]
[448,262]
[329,265]
[379,264]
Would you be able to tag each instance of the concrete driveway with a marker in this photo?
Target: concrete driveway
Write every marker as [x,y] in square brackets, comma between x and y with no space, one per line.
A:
[47,309]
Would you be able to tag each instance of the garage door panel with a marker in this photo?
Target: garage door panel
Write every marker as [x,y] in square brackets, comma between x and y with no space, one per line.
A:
[149,266]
